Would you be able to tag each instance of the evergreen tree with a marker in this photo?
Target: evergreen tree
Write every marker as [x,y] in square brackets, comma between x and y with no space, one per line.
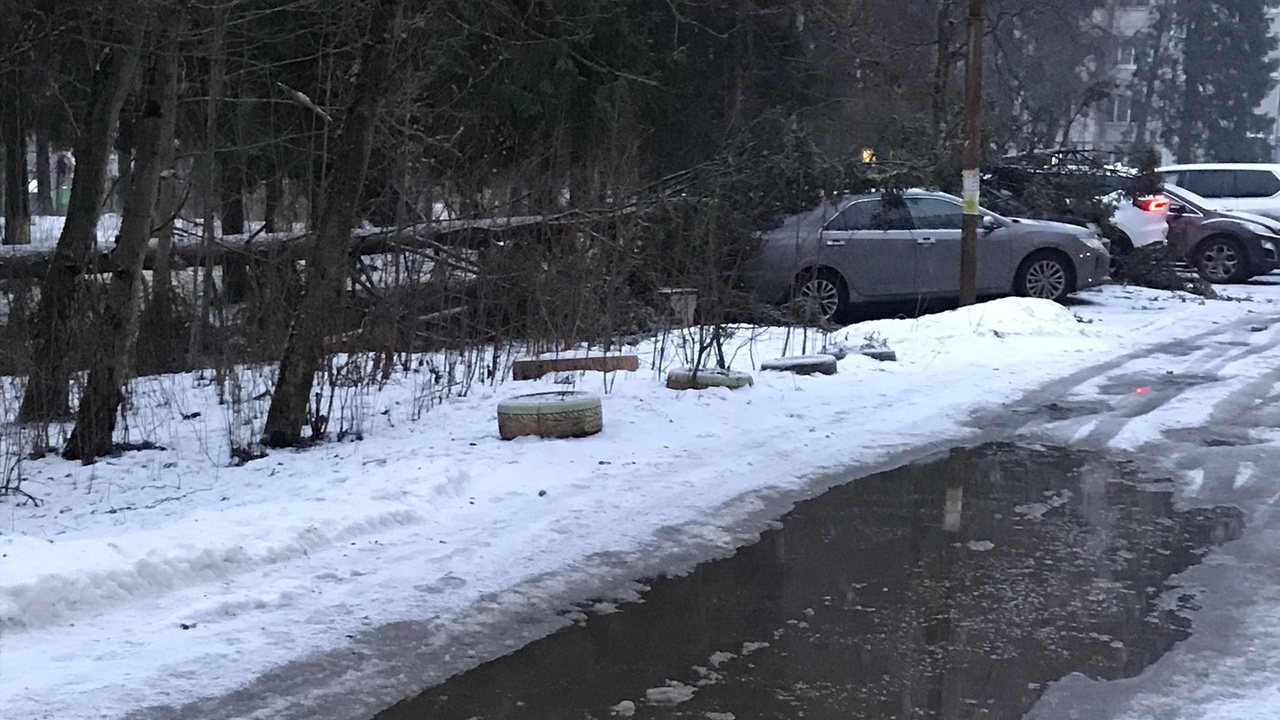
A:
[1226,72]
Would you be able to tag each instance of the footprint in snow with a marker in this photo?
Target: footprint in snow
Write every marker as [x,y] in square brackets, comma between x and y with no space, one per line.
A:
[441,585]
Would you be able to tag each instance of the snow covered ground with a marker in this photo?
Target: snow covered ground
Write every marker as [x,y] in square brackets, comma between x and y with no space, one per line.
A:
[166,576]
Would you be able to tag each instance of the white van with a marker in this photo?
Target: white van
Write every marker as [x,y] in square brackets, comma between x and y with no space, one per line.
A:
[1240,187]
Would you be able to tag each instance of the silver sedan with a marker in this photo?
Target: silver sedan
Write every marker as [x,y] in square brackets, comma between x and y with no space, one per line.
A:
[883,247]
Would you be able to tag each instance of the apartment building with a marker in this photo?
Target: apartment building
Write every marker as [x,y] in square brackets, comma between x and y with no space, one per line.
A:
[1110,125]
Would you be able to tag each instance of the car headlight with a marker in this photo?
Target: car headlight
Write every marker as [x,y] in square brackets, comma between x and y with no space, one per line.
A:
[1259,229]
[1094,244]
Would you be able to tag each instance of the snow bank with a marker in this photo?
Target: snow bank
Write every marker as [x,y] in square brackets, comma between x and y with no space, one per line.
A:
[165,576]
[999,319]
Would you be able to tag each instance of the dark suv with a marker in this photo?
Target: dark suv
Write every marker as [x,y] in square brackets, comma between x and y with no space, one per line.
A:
[1223,246]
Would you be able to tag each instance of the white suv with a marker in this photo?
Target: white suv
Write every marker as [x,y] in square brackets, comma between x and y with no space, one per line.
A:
[1142,221]
[1240,187]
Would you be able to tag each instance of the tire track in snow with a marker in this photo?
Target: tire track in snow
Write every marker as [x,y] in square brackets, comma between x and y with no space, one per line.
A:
[1097,425]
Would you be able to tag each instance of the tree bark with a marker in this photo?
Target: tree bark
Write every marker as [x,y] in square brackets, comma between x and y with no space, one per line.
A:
[17,209]
[44,174]
[328,268]
[117,330]
[47,390]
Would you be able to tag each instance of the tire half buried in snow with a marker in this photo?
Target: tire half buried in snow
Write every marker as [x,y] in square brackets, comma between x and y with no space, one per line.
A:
[558,414]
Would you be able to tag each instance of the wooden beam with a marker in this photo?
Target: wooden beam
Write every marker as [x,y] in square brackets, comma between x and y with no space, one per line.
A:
[533,369]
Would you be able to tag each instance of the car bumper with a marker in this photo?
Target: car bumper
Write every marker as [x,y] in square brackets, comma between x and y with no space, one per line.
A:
[1149,235]
[1092,268]
[1264,254]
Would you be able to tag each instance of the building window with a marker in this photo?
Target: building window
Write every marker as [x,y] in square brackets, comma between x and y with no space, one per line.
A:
[1133,3]
[1120,108]
[1127,53]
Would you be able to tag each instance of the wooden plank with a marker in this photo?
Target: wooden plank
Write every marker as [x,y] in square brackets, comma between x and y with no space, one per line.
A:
[536,368]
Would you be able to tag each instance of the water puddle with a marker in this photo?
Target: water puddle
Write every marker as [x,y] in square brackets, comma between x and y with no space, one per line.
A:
[1127,384]
[954,589]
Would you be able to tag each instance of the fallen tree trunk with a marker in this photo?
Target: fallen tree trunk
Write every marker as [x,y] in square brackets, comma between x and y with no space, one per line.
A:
[443,238]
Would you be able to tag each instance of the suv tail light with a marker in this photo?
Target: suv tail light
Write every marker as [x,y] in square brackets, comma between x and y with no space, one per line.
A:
[1153,204]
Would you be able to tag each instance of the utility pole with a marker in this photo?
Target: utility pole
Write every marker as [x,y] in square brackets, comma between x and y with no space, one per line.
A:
[972,156]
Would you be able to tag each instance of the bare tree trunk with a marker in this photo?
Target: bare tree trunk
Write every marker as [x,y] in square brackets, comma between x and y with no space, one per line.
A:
[1149,74]
[1188,143]
[163,339]
[17,209]
[117,330]
[275,194]
[942,68]
[44,173]
[217,75]
[235,276]
[165,214]
[47,391]
[328,267]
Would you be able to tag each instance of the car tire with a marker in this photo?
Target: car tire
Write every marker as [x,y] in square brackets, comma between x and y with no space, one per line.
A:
[1045,274]
[555,414]
[1221,259]
[821,295]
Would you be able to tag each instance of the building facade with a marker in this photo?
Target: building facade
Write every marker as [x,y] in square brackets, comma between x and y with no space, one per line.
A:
[1109,126]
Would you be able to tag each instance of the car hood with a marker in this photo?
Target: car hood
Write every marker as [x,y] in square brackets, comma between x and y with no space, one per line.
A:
[1262,220]
[1082,232]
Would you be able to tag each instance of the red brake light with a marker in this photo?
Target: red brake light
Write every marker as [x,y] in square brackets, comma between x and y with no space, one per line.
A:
[1156,204]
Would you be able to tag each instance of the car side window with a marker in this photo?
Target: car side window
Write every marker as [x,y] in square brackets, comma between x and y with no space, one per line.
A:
[1256,183]
[935,213]
[871,215]
[855,216]
[1209,183]
[1172,178]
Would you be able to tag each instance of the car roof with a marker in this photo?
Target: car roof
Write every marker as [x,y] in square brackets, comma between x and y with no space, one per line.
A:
[1274,167]
[913,192]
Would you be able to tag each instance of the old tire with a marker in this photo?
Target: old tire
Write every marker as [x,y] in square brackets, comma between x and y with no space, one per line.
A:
[1220,259]
[822,295]
[687,379]
[803,364]
[556,414]
[1045,275]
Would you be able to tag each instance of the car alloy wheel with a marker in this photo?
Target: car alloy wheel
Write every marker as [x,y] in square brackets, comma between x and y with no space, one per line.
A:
[1219,261]
[1047,279]
[820,297]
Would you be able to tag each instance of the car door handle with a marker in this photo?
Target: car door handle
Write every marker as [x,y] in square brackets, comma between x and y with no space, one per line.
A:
[926,241]
[835,243]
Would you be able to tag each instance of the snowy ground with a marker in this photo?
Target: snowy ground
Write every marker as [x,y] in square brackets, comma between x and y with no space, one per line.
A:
[333,581]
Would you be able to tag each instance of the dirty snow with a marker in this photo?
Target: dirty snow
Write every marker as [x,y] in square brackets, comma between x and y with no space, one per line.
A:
[673,693]
[166,576]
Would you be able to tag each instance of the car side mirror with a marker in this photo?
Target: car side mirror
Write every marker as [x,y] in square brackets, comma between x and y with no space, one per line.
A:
[1177,209]
[988,223]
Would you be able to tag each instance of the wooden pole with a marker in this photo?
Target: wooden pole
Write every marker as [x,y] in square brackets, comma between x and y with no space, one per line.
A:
[972,156]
